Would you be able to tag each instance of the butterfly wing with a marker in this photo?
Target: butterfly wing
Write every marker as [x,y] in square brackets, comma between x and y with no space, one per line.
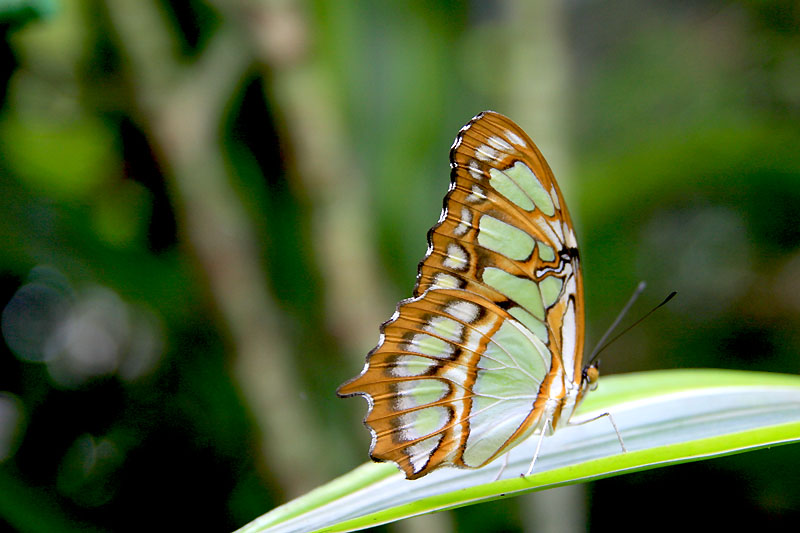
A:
[464,368]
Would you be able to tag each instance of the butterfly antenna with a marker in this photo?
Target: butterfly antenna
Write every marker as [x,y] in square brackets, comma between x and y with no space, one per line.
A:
[597,348]
[600,346]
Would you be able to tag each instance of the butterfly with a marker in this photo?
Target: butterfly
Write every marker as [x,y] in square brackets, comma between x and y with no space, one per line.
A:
[489,348]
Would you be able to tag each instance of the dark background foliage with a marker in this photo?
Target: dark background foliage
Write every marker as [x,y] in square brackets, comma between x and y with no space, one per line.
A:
[207,207]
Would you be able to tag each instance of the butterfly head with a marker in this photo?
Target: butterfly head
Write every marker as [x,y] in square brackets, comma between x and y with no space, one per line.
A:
[591,373]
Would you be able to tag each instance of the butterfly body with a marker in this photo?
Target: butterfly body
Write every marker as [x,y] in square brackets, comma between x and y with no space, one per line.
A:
[488,350]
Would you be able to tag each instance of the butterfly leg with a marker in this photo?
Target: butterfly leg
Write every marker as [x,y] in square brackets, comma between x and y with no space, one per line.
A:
[548,422]
[502,467]
[613,424]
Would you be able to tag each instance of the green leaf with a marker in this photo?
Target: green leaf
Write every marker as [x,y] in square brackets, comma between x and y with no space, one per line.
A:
[66,162]
[665,418]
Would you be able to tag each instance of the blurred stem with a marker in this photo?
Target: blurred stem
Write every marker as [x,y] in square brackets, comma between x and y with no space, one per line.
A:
[182,108]
[326,170]
[325,166]
[539,97]
[539,73]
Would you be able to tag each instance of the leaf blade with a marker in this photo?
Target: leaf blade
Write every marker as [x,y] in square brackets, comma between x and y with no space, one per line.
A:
[665,417]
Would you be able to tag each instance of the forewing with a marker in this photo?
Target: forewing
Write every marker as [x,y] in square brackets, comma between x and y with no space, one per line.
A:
[505,233]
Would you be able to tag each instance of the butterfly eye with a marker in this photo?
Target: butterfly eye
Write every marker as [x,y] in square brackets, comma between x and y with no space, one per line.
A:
[590,376]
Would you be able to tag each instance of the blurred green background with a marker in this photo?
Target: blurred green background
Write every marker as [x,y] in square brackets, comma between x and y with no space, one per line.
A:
[208,207]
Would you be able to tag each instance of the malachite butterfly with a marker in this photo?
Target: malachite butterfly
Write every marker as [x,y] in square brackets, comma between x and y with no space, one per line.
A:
[489,348]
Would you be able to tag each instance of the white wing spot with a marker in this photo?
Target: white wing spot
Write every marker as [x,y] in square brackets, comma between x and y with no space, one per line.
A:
[477,195]
[455,373]
[465,224]
[473,341]
[475,170]
[554,197]
[516,139]
[442,280]
[464,311]
[485,153]
[572,242]
[499,144]
[420,453]
[457,257]
[558,229]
